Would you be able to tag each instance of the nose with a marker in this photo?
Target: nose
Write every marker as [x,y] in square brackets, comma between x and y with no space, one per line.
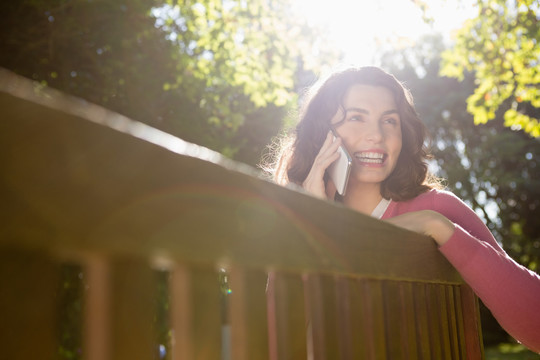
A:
[374,132]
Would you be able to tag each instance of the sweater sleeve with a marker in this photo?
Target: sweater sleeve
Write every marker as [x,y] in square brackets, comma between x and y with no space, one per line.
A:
[509,290]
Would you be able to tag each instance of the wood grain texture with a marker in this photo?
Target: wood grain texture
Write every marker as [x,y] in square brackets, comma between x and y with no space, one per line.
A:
[287,325]
[373,319]
[181,314]
[471,324]
[97,309]
[132,309]
[196,315]
[29,283]
[248,314]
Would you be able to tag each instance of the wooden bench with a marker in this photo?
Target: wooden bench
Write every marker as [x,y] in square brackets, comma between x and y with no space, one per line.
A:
[308,279]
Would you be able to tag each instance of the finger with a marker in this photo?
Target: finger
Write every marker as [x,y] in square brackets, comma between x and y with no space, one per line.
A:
[329,147]
[331,141]
[329,159]
[322,163]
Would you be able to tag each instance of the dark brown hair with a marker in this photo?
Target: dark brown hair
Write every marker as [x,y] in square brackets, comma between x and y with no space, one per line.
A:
[410,176]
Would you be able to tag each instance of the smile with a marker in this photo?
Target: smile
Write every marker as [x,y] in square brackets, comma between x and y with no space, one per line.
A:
[370,157]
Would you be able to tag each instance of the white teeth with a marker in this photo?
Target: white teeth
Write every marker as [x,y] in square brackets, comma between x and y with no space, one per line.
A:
[373,161]
[370,157]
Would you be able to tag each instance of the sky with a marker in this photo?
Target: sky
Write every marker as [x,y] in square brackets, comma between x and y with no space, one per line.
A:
[356,26]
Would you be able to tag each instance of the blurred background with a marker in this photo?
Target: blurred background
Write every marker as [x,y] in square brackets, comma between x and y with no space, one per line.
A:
[229,74]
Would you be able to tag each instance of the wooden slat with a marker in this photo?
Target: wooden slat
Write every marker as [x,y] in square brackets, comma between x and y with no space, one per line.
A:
[28,305]
[400,320]
[97,309]
[434,322]
[452,318]
[247,307]
[445,327]
[471,323]
[314,317]
[286,317]
[133,306]
[351,330]
[460,324]
[422,321]
[345,319]
[330,308]
[322,316]
[181,313]
[207,317]
[196,313]
[408,320]
[373,319]
[393,322]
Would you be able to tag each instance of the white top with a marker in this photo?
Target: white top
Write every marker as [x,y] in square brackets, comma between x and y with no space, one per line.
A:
[381,208]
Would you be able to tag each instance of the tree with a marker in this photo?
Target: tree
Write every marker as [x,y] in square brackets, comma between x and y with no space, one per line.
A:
[201,70]
[500,47]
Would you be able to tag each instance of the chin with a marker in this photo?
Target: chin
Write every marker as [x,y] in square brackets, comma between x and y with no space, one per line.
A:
[363,179]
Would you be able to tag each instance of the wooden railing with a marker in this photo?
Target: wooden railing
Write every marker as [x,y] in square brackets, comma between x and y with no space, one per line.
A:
[308,279]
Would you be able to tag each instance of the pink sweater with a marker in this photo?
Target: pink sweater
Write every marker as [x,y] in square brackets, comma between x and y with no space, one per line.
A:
[509,290]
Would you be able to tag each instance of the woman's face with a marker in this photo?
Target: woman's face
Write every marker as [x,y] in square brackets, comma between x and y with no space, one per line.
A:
[370,131]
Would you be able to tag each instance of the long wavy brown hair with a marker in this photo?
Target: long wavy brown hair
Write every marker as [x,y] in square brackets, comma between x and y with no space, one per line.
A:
[297,154]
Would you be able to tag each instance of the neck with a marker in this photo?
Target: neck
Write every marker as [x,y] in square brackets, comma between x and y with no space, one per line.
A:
[363,198]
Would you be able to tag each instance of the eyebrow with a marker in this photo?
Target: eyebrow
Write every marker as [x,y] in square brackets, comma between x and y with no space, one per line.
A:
[364,111]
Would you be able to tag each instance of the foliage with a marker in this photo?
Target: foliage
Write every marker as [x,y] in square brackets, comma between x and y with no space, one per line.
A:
[492,168]
[70,312]
[201,70]
[500,46]
[510,352]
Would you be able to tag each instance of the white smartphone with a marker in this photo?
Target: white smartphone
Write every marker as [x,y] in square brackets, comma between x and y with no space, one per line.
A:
[340,169]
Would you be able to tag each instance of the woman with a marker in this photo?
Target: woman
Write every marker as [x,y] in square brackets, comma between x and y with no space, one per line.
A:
[373,117]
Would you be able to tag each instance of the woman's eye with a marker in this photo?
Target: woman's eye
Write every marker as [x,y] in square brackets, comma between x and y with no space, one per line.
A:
[390,121]
[355,118]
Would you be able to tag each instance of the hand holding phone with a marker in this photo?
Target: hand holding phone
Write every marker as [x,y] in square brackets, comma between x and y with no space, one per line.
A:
[340,169]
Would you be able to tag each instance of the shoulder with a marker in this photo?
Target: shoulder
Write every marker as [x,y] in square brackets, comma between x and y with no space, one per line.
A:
[441,201]
[440,198]
[447,203]
[433,199]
